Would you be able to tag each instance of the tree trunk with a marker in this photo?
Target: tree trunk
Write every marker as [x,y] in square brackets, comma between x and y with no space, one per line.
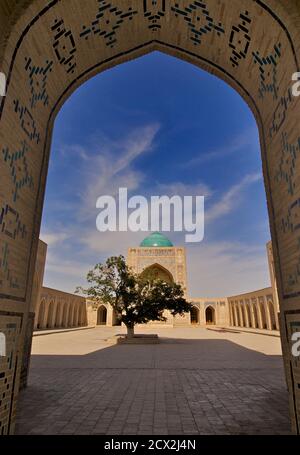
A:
[130,331]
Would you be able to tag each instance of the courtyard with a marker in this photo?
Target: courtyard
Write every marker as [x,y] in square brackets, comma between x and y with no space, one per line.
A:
[196,381]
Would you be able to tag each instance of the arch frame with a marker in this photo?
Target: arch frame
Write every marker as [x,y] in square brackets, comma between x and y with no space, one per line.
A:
[10,302]
[213,313]
[160,267]
[102,314]
[195,309]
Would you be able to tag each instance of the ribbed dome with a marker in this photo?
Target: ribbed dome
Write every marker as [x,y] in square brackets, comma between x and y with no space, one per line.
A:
[156,239]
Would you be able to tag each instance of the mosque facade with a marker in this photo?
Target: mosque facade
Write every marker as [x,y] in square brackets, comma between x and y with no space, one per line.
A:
[157,256]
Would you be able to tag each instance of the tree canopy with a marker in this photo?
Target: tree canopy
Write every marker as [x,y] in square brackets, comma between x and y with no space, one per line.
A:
[136,298]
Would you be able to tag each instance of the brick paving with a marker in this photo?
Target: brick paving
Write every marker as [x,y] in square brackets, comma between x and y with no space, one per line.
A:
[196,381]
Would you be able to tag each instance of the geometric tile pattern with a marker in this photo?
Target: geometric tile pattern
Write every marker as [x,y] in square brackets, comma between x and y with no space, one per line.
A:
[7,277]
[107,21]
[64,45]
[13,228]
[10,223]
[154,10]
[291,222]
[18,165]
[38,76]
[293,278]
[240,39]
[268,71]
[198,19]
[280,113]
[27,122]
[288,163]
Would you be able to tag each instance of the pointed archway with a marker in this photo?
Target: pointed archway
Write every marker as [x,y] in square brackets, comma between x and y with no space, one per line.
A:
[51,315]
[210,315]
[195,316]
[271,309]
[41,315]
[102,315]
[157,271]
[255,315]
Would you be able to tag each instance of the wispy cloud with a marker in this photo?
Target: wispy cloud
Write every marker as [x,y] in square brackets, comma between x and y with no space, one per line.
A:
[183,189]
[244,141]
[231,199]
[66,150]
[111,169]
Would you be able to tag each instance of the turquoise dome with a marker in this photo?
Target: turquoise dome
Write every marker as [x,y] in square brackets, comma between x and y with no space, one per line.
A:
[156,239]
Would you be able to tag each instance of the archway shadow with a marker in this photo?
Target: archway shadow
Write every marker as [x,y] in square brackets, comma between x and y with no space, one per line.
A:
[204,375]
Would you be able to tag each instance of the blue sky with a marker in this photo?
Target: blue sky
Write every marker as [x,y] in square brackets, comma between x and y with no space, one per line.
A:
[158,125]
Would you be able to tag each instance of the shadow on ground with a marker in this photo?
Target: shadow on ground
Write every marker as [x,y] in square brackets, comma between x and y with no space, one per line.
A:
[181,386]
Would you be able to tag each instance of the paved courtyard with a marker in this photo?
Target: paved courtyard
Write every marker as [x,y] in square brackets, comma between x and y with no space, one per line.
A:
[196,381]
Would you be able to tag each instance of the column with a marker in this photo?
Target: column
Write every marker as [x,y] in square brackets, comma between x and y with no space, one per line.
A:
[267,311]
[259,315]
[241,315]
[236,321]
[252,315]
[246,315]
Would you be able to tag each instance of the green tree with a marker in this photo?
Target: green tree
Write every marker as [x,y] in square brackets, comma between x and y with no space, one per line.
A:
[137,299]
